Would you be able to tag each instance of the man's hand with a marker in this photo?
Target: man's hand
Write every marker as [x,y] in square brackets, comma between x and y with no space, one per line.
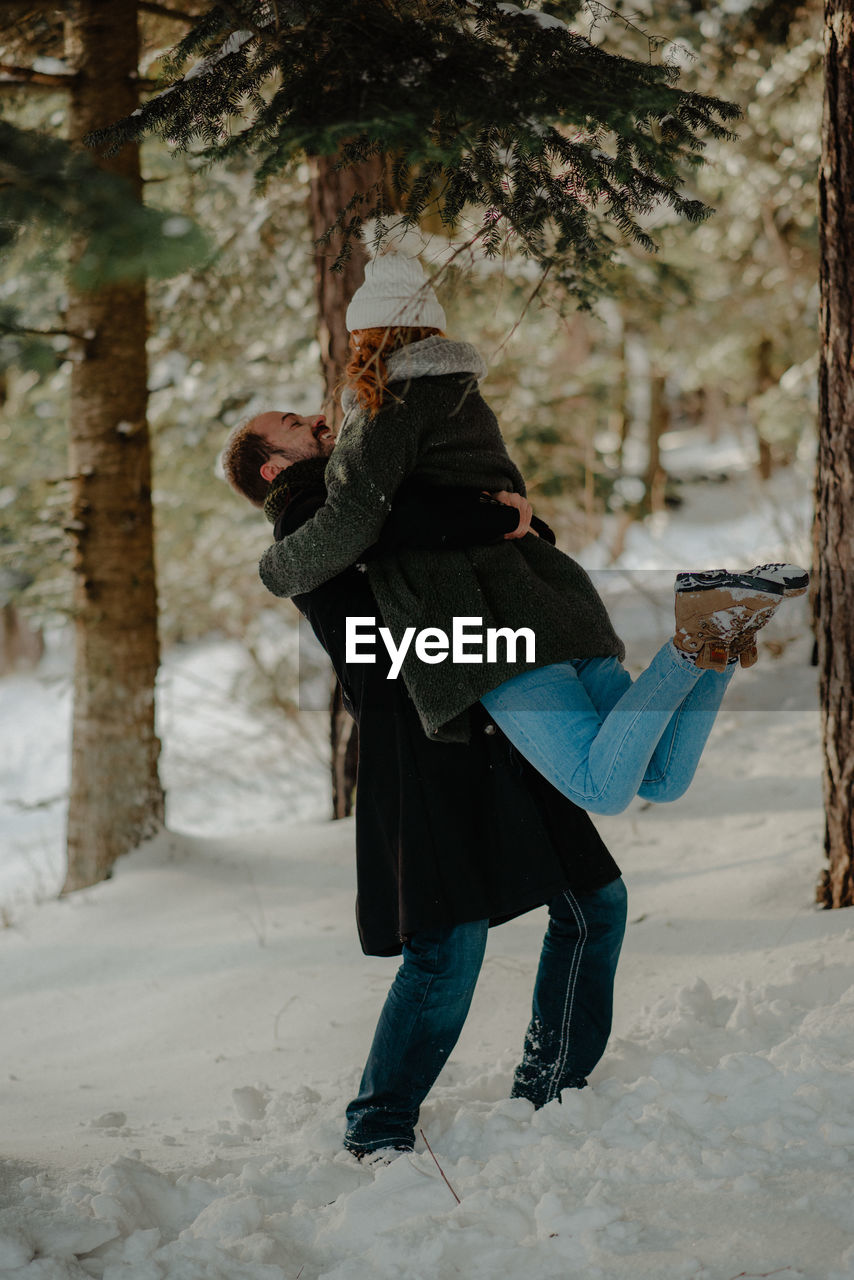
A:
[524,508]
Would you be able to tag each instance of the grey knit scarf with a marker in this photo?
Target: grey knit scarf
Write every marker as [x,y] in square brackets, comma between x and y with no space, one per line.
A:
[428,358]
[435,356]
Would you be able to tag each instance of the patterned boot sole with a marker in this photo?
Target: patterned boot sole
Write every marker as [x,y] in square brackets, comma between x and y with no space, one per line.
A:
[775,579]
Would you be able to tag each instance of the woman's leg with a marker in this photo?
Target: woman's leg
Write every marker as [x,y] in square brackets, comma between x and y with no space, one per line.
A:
[677,753]
[419,1025]
[674,761]
[600,760]
[573,994]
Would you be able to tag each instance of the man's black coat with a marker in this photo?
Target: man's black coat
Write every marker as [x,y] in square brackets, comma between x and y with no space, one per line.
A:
[445,832]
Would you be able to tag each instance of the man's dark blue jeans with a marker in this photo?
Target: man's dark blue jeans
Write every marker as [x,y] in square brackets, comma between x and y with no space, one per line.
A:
[430,997]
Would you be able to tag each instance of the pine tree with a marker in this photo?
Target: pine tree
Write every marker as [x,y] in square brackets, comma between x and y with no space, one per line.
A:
[53,184]
[505,121]
[116,798]
[332,189]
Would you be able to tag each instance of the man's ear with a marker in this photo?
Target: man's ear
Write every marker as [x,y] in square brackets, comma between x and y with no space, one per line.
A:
[270,470]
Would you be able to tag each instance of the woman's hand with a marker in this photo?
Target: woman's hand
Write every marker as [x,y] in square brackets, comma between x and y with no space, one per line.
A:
[524,508]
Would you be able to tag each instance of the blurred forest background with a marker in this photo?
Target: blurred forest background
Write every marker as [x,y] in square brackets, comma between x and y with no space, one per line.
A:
[718,328]
[715,332]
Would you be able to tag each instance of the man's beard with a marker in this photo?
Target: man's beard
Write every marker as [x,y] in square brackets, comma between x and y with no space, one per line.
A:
[309,449]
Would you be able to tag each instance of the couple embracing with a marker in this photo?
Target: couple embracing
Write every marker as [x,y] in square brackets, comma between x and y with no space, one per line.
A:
[476,776]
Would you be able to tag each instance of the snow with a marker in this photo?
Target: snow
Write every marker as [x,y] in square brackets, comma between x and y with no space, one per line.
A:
[235,41]
[180,1042]
[233,44]
[544,20]
[49,66]
[225,765]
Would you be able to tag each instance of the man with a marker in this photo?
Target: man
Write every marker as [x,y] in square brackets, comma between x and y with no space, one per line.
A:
[258,450]
[450,837]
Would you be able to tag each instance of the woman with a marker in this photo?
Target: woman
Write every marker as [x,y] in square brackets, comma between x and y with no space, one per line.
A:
[417,416]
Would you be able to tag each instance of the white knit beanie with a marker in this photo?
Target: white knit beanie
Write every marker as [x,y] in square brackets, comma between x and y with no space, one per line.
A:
[396,289]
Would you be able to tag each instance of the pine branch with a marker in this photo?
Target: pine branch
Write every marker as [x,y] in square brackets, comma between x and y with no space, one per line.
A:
[246,23]
[602,12]
[552,138]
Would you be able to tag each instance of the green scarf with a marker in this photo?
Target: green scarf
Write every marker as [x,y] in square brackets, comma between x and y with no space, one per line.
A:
[293,483]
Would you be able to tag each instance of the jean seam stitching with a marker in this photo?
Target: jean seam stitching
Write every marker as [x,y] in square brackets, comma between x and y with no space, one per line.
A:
[569,1002]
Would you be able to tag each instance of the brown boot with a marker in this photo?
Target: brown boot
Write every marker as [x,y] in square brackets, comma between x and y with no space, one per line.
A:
[716,610]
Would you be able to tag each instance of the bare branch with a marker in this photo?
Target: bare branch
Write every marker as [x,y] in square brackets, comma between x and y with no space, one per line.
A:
[26,75]
[439,1167]
[163,11]
[12,75]
[529,302]
[11,330]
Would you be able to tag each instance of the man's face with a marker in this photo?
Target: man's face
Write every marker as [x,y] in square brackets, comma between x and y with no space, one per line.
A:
[294,438]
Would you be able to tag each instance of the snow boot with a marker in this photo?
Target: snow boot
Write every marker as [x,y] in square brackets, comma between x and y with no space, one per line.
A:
[718,612]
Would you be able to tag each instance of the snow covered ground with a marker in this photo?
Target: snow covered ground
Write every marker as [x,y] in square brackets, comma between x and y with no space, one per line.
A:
[180,1042]
[225,765]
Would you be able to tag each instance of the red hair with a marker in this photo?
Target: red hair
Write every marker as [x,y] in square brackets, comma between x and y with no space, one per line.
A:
[366,373]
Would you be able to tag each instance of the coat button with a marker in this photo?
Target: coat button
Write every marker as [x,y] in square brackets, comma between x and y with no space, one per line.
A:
[490,728]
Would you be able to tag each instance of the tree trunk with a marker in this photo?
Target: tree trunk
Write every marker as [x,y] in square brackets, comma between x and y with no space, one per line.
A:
[21,646]
[764,379]
[835,487]
[116,799]
[659,421]
[624,410]
[332,190]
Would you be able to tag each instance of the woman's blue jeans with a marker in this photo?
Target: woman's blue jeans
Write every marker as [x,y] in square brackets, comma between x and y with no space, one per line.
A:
[430,997]
[601,738]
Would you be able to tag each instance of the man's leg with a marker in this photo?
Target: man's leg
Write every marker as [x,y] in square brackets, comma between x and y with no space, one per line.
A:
[573,994]
[419,1025]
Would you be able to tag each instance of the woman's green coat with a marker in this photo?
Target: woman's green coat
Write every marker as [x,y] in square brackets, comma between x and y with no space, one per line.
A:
[438,429]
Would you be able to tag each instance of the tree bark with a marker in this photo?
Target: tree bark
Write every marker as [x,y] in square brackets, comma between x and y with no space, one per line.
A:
[116,798]
[332,190]
[835,485]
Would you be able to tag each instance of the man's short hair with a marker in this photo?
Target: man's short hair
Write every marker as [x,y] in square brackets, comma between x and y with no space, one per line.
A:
[243,457]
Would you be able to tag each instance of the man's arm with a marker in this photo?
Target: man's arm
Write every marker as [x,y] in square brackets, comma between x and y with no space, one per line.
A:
[422,515]
[368,465]
[428,516]
[432,516]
